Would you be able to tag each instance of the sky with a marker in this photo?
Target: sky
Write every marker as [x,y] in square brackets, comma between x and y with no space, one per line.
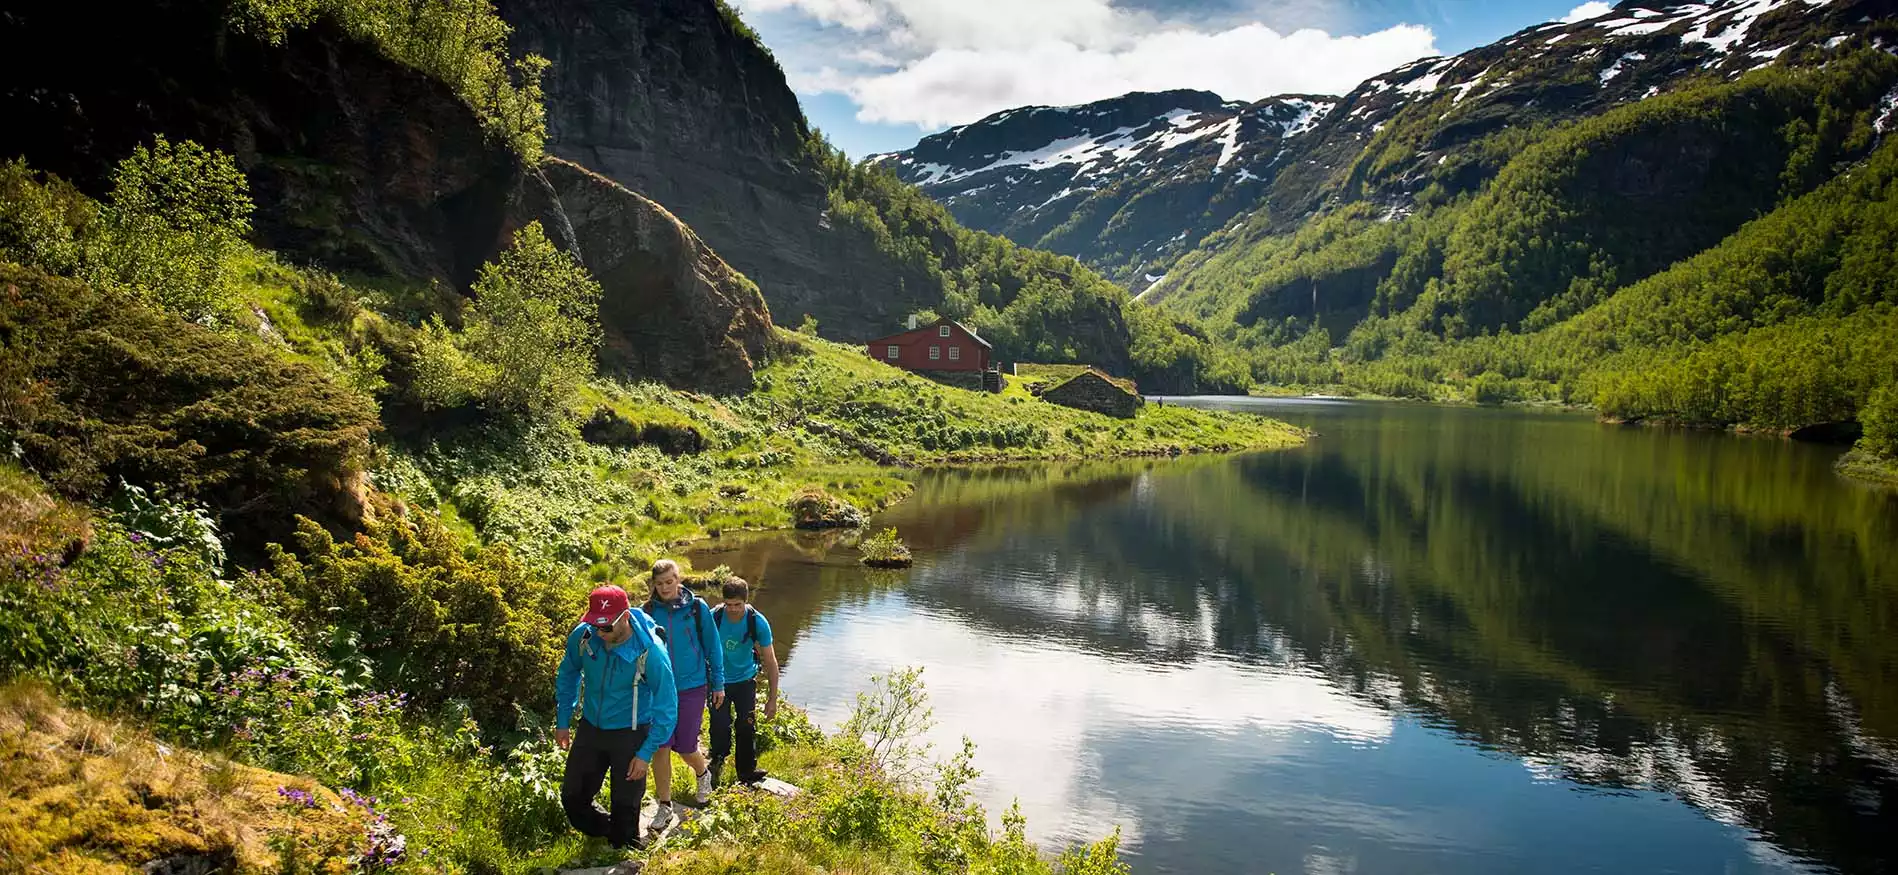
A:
[878,75]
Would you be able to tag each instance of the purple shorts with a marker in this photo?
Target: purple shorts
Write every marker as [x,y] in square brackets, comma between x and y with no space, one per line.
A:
[685,738]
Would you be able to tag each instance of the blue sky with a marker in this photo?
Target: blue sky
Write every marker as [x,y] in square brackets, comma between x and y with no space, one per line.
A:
[877,75]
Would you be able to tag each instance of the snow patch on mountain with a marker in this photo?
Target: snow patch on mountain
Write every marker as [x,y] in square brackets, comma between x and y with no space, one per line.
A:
[1614,69]
[1887,113]
[1310,112]
[1423,84]
[1228,145]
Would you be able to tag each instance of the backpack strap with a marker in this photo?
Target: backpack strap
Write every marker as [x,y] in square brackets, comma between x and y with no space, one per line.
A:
[751,625]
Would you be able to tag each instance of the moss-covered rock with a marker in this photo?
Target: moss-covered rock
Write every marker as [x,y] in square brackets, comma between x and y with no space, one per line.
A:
[813,508]
[84,795]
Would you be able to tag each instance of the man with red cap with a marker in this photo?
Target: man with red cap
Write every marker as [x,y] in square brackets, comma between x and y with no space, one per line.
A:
[622,677]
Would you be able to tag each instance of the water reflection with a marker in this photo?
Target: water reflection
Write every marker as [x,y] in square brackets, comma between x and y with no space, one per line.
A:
[1432,640]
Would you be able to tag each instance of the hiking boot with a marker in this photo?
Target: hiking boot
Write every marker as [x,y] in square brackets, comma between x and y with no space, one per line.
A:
[663,818]
[755,778]
[632,844]
[718,772]
[704,793]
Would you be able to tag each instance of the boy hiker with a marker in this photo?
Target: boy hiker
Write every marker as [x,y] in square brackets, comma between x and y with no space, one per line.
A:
[698,667]
[746,637]
[628,705]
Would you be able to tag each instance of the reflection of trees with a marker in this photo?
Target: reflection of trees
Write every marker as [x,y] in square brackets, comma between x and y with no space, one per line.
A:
[1687,612]
[1556,610]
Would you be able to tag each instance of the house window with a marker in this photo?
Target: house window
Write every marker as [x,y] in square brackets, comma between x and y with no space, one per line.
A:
[955,353]
[942,331]
[935,352]
[892,351]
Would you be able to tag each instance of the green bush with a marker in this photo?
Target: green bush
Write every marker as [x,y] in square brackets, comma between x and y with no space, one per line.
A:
[528,340]
[217,417]
[440,619]
[1880,420]
[168,233]
[176,216]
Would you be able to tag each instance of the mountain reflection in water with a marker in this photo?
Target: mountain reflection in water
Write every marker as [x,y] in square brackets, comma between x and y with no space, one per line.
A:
[1432,640]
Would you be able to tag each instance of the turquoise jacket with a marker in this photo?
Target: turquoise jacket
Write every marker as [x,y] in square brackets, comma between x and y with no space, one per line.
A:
[741,639]
[614,696]
[697,658]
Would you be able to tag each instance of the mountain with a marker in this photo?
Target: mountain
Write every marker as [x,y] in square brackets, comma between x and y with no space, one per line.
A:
[1478,226]
[1130,184]
[677,100]
[1122,183]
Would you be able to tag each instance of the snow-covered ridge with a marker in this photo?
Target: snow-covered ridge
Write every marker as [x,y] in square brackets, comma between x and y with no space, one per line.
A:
[1130,145]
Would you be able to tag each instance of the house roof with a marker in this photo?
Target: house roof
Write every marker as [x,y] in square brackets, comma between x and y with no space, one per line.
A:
[1120,383]
[965,330]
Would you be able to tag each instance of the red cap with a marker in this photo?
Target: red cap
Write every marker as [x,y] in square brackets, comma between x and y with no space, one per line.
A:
[605,605]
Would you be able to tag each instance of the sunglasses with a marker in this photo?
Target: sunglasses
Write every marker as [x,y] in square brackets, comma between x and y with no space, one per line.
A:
[606,628]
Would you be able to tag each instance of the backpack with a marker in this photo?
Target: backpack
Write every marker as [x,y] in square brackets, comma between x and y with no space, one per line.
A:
[751,624]
[639,664]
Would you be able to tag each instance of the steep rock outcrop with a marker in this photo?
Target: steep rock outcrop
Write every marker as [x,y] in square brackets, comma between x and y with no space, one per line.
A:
[667,98]
[367,166]
[670,307]
[354,161]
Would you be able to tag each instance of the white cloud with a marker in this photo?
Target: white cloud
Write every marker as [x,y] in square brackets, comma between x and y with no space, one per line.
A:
[955,61]
[1590,10]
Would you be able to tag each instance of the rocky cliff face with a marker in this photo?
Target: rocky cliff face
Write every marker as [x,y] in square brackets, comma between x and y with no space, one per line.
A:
[366,166]
[670,307]
[667,98]
[355,162]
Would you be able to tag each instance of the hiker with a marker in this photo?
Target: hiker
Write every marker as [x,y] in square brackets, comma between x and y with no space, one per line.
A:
[627,708]
[746,636]
[698,667]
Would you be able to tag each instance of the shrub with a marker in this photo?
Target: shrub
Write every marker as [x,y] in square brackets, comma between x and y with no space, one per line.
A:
[440,619]
[176,216]
[43,222]
[884,550]
[528,340]
[888,722]
[167,235]
[1879,417]
[216,417]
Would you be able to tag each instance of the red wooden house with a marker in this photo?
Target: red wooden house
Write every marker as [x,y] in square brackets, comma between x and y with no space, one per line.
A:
[942,345]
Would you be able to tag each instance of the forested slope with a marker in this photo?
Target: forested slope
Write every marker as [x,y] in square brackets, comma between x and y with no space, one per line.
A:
[1669,211]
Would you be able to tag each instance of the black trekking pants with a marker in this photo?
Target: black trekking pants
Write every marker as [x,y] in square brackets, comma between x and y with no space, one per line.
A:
[742,697]
[597,755]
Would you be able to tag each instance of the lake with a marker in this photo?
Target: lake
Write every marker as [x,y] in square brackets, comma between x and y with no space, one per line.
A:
[1432,640]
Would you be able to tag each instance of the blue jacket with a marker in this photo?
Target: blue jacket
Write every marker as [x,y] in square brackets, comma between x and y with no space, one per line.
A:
[610,698]
[698,660]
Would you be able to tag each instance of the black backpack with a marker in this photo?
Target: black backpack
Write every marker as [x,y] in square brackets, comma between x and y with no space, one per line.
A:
[751,624]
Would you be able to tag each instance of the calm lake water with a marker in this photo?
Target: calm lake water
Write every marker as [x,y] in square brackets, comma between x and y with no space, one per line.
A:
[1432,640]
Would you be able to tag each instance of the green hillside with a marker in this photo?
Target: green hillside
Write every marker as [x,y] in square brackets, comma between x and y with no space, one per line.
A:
[1746,283]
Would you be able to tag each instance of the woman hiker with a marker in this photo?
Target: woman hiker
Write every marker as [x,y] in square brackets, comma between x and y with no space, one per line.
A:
[746,637]
[628,708]
[698,668]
